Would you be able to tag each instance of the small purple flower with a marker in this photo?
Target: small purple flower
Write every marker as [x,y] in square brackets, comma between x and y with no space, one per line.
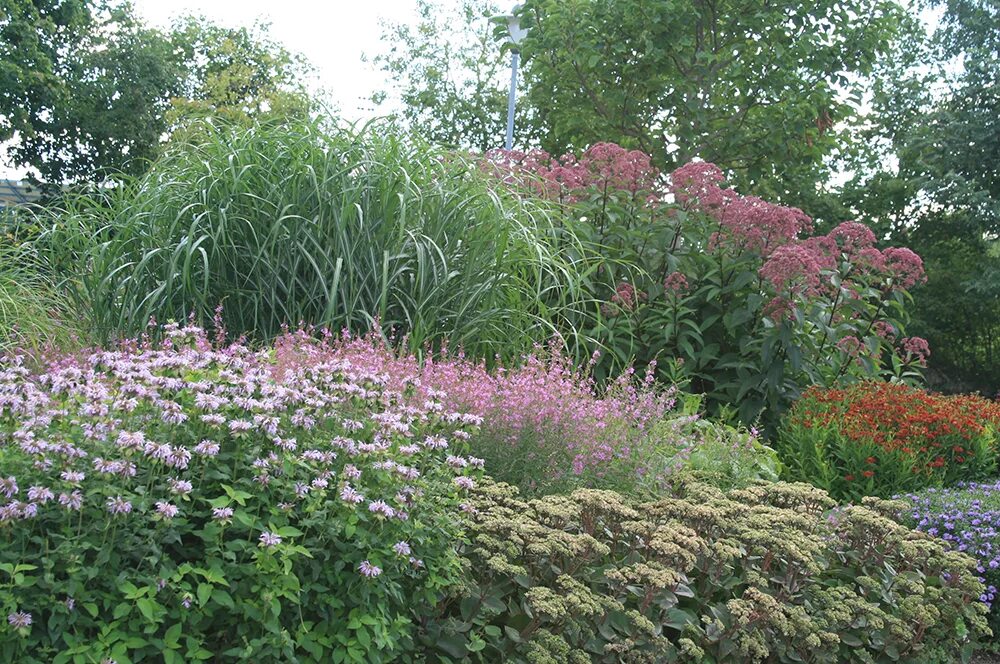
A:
[368,570]
[70,603]
[8,487]
[71,501]
[223,514]
[351,471]
[166,510]
[180,487]
[40,494]
[402,548]
[349,495]
[19,620]
[206,448]
[381,507]
[186,602]
[119,505]
[72,477]
[463,482]
[269,539]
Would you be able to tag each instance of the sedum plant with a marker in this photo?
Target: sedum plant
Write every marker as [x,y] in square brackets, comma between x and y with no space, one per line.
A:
[184,503]
[763,574]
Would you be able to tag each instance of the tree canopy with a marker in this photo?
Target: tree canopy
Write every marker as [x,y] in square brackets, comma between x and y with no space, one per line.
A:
[87,91]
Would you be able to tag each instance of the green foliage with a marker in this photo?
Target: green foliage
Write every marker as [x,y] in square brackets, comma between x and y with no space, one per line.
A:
[89,91]
[711,452]
[231,511]
[765,573]
[449,74]
[289,222]
[766,92]
[933,179]
[33,312]
[736,297]
[236,74]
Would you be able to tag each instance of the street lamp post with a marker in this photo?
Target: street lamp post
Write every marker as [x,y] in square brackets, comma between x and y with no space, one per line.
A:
[516,34]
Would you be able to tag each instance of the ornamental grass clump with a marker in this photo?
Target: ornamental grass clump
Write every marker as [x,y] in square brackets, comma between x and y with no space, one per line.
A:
[880,439]
[763,574]
[184,502]
[545,424]
[298,221]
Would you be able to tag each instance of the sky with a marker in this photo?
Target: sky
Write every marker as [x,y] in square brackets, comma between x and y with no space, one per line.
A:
[331,34]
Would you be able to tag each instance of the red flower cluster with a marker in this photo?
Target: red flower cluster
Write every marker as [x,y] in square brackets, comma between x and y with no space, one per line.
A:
[898,417]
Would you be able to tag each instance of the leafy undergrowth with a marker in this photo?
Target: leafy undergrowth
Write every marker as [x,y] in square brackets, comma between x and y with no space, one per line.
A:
[766,573]
[189,502]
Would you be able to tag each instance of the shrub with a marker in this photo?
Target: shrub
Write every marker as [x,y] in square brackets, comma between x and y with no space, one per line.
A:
[192,504]
[755,304]
[967,516]
[880,439]
[765,573]
[294,222]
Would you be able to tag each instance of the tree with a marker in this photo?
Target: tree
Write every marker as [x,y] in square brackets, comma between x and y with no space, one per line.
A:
[235,73]
[933,181]
[448,75]
[89,92]
[766,91]
[32,34]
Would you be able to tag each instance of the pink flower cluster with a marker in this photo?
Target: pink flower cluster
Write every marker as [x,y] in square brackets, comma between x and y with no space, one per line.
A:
[90,435]
[798,267]
[545,395]
[606,167]
[747,223]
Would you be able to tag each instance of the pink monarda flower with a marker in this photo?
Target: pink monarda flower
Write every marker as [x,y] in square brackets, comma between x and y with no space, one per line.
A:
[180,487]
[19,619]
[349,495]
[223,514]
[73,477]
[269,539]
[240,426]
[71,501]
[118,505]
[166,510]
[8,486]
[381,507]
[40,494]
[368,570]
[351,471]
[206,448]
[128,440]
[402,548]
[464,482]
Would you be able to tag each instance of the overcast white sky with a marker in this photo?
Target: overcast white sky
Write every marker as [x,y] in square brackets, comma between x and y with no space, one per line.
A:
[331,34]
